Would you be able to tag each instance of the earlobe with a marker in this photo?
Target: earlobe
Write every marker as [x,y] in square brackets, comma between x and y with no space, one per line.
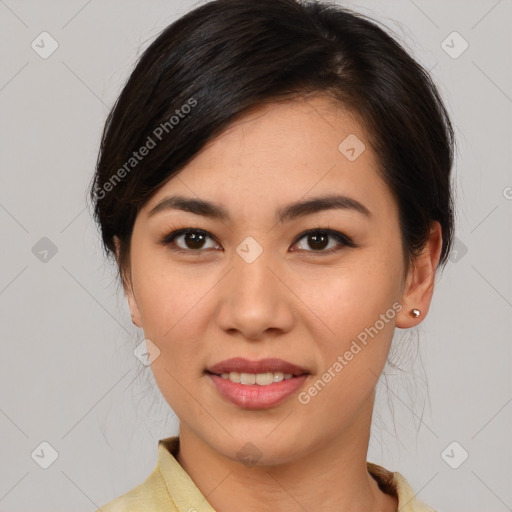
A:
[128,287]
[134,308]
[419,286]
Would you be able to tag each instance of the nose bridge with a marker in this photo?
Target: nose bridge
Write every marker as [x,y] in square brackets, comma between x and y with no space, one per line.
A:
[252,280]
[251,273]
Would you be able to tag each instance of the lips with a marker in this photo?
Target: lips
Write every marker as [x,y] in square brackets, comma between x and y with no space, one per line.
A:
[241,365]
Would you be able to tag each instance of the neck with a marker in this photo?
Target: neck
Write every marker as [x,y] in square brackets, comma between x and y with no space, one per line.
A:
[340,461]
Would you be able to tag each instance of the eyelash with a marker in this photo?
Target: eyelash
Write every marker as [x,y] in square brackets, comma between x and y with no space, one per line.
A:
[343,239]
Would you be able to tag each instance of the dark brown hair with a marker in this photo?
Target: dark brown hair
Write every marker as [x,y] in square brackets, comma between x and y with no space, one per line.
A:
[227,56]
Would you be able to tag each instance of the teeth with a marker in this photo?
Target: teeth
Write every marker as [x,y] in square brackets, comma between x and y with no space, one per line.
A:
[262,379]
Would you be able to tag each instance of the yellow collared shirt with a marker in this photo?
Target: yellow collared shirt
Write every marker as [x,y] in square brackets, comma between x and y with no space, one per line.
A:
[170,489]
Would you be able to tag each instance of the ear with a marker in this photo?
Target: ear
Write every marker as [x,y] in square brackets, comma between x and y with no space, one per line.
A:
[128,288]
[420,280]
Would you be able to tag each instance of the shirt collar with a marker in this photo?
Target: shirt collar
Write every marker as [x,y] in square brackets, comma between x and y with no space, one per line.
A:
[187,496]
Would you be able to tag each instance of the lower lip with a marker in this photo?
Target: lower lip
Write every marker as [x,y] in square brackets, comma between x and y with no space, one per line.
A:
[254,396]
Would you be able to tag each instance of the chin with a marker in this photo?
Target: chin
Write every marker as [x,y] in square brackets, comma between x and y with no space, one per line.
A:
[259,448]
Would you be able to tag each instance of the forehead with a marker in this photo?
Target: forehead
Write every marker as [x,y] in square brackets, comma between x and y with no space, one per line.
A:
[306,130]
[281,152]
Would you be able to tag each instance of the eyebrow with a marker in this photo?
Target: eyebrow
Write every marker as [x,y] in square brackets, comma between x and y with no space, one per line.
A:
[287,213]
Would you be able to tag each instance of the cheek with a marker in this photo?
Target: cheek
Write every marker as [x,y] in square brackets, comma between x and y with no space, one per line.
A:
[359,306]
[353,296]
[165,292]
[173,304]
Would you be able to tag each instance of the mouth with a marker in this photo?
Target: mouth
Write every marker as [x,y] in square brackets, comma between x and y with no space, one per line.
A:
[260,379]
[256,385]
[263,372]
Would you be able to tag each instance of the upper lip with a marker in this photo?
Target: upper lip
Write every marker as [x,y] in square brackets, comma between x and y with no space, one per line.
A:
[241,365]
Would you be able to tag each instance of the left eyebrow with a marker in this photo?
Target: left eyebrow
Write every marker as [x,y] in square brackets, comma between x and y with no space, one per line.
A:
[287,213]
[318,204]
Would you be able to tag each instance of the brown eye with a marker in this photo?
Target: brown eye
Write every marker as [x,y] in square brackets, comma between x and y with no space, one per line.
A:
[194,240]
[318,240]
[187,240]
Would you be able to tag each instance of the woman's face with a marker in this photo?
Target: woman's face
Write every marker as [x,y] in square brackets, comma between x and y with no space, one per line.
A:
[252,285]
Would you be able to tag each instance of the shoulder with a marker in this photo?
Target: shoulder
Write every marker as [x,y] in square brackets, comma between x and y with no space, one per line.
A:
[407,497]
[149,496]
[395,484]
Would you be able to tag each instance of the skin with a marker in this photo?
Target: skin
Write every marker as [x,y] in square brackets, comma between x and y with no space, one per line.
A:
[296,301]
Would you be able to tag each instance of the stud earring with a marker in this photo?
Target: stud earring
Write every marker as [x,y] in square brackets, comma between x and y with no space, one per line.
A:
[415,313]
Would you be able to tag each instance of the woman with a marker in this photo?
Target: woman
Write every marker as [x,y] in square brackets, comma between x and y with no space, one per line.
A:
[274,182]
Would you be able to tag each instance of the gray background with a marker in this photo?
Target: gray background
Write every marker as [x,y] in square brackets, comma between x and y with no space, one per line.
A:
[68,373]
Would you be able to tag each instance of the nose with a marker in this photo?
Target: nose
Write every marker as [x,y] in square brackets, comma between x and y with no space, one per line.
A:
[255,301]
